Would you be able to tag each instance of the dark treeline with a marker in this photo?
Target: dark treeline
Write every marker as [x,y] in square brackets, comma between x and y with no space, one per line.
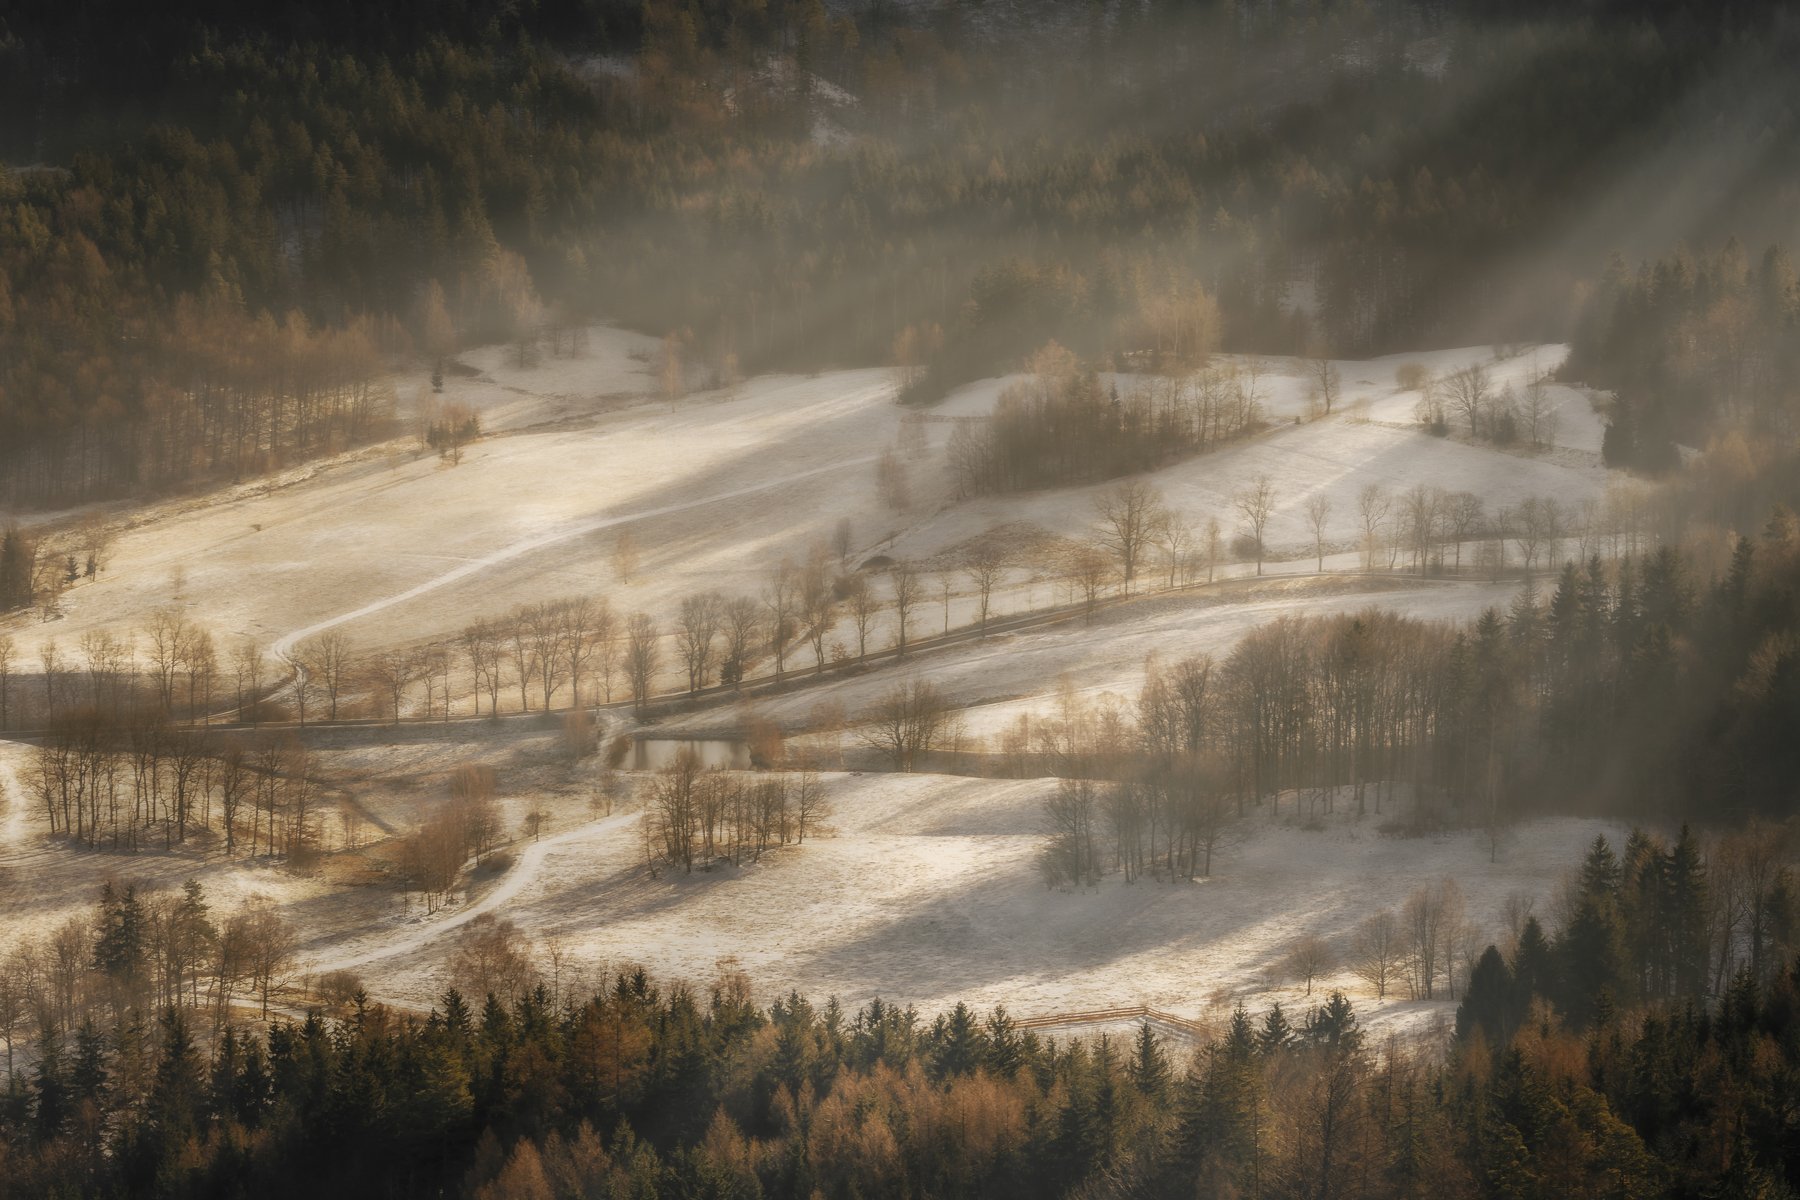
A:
[796,185]
[1558,1083]
[1628,690]
[1685,341]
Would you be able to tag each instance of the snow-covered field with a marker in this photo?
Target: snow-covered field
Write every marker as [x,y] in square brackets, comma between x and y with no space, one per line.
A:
[927,890]
[392,546]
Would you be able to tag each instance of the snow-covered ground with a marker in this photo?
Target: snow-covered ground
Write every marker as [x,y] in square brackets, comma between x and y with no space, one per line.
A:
[1008,674]
[927,890]
[395,546]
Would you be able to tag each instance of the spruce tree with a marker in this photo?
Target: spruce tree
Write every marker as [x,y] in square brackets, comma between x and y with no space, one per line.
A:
[1276,1034]
[1487,1001]
[1592,948]
[1149,1066]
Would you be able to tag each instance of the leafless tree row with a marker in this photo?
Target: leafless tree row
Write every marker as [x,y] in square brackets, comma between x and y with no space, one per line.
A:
[701,816]
[131,784]
[467,827]
[1064,425]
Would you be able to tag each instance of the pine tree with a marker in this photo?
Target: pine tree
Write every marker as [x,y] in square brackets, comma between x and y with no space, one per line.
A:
[1276,1034]
[50,1088]
[1641,895]
[119,941]
[1333,1026]
[960,1049]
[1149,1066]
[1487,1001]
[1533,970]
[1005,1052]
[88,1073]
[1592,948]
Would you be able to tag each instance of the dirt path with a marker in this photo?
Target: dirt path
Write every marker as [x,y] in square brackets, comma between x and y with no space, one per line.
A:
[429,929]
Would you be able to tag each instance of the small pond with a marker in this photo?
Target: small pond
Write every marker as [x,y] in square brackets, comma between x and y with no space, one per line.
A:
[655,753]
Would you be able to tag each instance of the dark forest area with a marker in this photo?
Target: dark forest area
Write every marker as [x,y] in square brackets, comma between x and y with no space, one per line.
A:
[219,230]
[1582,1063]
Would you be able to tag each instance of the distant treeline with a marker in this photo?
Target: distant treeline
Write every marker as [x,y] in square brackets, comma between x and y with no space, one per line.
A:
[1556,1083]
[1627,690]
[796,185]
[1685,341]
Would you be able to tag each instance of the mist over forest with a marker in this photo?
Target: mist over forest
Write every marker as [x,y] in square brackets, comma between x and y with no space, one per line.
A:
[831,598]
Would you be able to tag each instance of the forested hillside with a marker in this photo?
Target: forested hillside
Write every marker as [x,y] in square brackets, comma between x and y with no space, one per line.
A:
[213,238]
[1585,1063]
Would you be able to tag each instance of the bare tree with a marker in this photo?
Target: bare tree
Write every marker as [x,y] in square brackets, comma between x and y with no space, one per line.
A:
[247,662]
[326,659]
[891,480]
[811,805]
[168,634]
[818,606]
[1325,379]
[1176,541]
[1540,411]
[1254,504]
[271,943]
[781,597]
[1215,546]
[1464,516]
[696,633]
[911,720]
[51,664]
[588,629]
[843,540]
[1421,505]
[548,628]
[1376,954]
[1470,393]
[1307,959]
[1088,569]
[907,590]
[480,645]
[393,671]
[674,815]
[865,605]
[625,556]
[1129,513]
[493,958]
[986,568]
[669,369]
[641,653]
[1372,504]
[1318,512]
[1429,920]
[742,625]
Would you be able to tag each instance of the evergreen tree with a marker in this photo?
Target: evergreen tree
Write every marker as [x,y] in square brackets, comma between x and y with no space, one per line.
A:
[1276,1034]
[1488,1000]
[1149,1066]
[960,1048]
[1592,948]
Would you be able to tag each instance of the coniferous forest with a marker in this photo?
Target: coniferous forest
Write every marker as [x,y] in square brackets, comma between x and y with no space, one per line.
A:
[1582,1062]
[215,232]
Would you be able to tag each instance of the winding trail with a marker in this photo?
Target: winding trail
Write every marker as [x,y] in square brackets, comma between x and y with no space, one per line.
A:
[522,873]
[284,647]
